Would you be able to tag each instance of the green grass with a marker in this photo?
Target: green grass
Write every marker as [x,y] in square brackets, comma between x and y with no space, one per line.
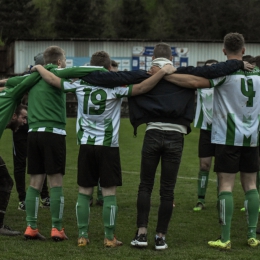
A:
[188,231]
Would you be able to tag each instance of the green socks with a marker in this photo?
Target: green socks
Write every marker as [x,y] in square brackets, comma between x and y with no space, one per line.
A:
[225,199]
[202,185]
[82,213]
[252,211]
[56,206]
[32,206]
[109,216]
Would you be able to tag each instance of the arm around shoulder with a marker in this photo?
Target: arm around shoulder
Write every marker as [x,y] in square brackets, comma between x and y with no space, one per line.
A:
[49,77]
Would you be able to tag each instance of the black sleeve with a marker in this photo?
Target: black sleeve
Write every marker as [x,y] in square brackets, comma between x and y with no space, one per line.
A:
[114,79]
[214,71]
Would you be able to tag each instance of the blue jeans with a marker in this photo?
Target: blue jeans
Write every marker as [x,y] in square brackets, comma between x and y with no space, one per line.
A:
[167,146]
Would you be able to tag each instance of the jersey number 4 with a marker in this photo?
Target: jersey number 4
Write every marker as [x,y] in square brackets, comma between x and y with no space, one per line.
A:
[250,93]
[98,99]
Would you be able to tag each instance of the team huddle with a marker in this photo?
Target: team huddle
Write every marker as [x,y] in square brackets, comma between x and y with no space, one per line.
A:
[163,99]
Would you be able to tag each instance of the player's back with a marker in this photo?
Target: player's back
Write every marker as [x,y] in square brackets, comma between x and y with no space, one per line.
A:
[236,110]
[46,106]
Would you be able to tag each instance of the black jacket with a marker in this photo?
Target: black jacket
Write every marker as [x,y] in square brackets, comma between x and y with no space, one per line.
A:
[166,102]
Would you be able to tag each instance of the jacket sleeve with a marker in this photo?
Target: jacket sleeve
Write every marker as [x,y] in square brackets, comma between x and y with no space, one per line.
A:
[214,71]
[114,79]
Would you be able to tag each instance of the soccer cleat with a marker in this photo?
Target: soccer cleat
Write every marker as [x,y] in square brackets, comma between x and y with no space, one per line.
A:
[243,210]
[58,235]
[100,202]
[21,205]
[45,203]
[160,243]
[220,245]
[33,234]
[112,243]
[82,241]
[252,242]
[7,231]
[139,240]
[199,206]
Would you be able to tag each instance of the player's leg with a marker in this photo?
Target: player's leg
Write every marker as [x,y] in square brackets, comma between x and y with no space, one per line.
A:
[87,178]
[19,162]
[170,162]
[37,175]
[206,152]
[249,167]
[54,149]
[150,159]
[226,165]
[109,168]
[6,184]
[45,197]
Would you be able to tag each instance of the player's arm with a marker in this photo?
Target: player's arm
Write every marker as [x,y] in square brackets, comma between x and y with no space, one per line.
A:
[48,76]
[188,81]
[216,70]
[149,83]
[114,79]
[2,88]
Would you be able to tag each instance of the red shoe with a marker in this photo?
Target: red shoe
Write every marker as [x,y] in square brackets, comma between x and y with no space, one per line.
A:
[58,235]
[33,234]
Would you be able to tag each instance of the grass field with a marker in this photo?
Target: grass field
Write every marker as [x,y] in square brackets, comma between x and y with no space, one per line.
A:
[188,231]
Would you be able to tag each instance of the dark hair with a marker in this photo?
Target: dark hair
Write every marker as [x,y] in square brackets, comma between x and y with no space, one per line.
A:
[100,58]
[19,109]
[233,42]
[210,61]
[114,63]
[247,58]
[257,61]
[162,50]
[52,54]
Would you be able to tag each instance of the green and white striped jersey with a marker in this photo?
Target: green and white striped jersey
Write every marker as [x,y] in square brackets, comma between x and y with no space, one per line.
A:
[236,109]
[99,110]
[204,109]
[47,104]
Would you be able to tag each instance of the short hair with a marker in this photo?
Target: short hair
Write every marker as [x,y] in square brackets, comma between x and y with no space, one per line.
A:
[100,58]
[38,59]
[234,42]
[247,58]
[162,50]
[210,61]
[257,61]
[52,54]
[114,63]
[19,109]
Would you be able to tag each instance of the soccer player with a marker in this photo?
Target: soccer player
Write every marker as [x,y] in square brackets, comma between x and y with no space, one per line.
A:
[6,183]
[20,155]
[235,131]
[100,201]
[203,120]
[169,106]
[97,130]
[46,141]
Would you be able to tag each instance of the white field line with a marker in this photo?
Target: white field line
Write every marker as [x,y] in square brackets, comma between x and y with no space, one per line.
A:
[179,177]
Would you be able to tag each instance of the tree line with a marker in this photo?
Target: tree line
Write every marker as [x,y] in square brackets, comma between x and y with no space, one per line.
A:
[128,19]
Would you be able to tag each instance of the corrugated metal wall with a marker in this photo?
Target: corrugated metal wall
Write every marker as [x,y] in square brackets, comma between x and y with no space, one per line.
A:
[198,52]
